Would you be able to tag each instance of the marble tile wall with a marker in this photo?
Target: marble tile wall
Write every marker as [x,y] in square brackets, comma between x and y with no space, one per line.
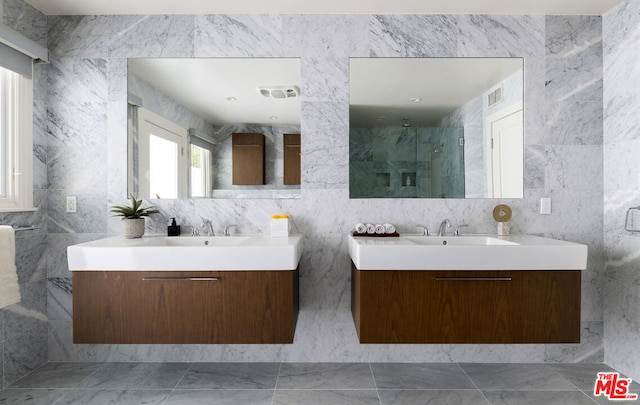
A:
[86,131]
[621,34]
[573,99]
[23,326]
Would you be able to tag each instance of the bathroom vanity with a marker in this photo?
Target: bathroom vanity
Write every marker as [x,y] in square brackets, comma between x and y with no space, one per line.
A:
[518,289]
[205,290]
[184,307]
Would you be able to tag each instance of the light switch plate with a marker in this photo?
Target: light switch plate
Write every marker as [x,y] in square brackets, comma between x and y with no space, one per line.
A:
[545,206]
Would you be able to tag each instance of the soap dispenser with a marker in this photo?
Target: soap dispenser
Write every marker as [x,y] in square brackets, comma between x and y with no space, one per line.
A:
[173,229]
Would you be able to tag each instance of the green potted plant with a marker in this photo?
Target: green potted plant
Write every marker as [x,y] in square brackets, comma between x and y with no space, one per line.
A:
[133,217]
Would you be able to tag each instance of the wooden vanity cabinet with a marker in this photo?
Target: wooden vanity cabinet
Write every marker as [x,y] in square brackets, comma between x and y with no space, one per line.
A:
[466,306]
[291,144]
[247,154]
[182,307]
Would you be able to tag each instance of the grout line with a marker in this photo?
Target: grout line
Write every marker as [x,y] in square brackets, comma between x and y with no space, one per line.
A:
[375,384]
[474,384]
[275,387]
[183,376]
[562,377]
[3,382]
[164,401]
[100,366]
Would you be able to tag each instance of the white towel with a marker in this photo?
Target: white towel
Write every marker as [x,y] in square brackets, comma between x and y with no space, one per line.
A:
[371,228]
[9,289]
[389,228]
[380,229]
[361,228]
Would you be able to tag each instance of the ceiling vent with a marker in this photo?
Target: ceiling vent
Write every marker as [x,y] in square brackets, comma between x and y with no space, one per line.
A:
[280,91]
[495,96]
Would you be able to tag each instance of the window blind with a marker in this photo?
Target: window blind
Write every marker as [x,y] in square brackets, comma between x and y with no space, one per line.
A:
[17,52]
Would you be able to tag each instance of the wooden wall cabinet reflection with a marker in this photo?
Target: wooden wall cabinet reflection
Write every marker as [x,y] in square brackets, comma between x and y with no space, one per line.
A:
[291,144]
[248,159]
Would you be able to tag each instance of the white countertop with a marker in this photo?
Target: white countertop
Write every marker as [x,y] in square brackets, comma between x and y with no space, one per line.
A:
[477,252]
[199,253]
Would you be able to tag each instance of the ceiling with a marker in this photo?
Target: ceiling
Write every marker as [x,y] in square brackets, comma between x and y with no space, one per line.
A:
[224,91]
[384,91]
[539,7]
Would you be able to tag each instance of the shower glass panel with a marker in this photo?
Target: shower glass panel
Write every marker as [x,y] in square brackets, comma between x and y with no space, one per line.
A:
[396,162]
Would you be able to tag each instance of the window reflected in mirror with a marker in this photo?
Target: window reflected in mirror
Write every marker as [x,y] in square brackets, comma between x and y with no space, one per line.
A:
[201,172]
[163,167]
[157,156]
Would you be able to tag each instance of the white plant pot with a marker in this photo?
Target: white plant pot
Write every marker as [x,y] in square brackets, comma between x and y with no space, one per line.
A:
[133,227]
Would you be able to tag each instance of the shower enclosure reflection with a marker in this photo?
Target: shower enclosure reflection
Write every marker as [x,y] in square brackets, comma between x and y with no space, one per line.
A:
[436,128]
[407,162]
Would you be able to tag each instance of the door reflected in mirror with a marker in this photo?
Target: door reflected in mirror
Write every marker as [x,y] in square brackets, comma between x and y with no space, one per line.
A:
[436,128]
[182,117]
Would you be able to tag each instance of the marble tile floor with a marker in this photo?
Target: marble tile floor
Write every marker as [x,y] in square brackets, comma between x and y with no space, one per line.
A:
[308,384]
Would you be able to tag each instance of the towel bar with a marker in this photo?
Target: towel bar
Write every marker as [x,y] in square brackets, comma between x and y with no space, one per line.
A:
[629,226]
[20,228]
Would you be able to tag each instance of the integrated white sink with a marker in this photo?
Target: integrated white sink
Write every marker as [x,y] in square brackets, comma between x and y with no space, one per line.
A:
[471,252]
[206,253]
[478,240]
[199,241]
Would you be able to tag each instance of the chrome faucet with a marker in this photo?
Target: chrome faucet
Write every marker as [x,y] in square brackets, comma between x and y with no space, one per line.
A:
[442,231]
[226,232]
[425,230]
[206,223]
[457,231]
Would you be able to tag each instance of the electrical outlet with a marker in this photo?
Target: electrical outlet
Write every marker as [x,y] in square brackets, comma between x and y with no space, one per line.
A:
[545,206]
[72,204]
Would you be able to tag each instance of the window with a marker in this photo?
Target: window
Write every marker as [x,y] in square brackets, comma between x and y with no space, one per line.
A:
[201,173]
[16,142]
[161,160]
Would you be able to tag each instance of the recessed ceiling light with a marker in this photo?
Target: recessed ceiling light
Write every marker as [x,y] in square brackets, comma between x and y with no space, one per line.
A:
[381,118]
[416,99]
[273,117]
[231,99]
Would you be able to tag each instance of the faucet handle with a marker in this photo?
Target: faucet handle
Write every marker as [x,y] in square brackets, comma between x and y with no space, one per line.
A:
[425,229]
[194,231]
[457,231]
[225,232]
[207,224]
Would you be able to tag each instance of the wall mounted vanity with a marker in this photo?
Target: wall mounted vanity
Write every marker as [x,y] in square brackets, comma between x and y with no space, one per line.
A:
[182,290]
[475,289]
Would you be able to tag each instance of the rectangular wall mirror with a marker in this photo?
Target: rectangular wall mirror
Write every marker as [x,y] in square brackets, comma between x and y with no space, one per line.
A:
[436,128]
[182,117]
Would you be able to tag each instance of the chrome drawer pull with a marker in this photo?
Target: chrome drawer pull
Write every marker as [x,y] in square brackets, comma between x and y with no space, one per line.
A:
[473,278]
[180,279]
